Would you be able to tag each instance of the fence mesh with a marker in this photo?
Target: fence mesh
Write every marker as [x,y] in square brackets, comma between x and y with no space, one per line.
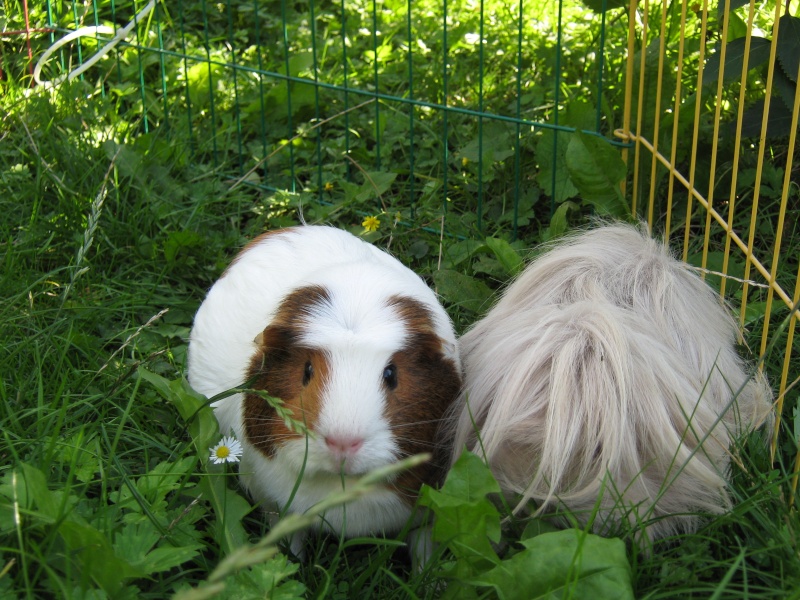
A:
[480,118]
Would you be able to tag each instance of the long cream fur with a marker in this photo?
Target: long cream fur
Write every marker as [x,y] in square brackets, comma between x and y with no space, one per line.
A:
[605,381]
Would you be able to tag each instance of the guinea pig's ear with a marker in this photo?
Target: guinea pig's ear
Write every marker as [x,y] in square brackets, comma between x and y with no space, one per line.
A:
[275,338]
[450,350]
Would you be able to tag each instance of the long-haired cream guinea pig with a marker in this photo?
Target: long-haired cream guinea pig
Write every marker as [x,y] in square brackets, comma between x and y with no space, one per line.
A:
[606,377]
[355,344]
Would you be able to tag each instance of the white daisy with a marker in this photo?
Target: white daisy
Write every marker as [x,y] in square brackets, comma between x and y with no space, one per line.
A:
[228,450]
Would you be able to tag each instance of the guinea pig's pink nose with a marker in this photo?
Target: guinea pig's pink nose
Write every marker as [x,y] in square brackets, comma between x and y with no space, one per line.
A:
[344,445]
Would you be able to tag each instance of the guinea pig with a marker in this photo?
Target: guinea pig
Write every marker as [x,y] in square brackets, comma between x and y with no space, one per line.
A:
[358,348]
[606,381]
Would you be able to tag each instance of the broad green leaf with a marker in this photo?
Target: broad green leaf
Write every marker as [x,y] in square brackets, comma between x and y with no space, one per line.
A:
[734,59]
[559,221]
[553,176]
[789,45]
[462,290]
[271,579]
[230,508]
[460,251]
[466,520]
[779,119]
[508,257]
[192,407]
[597,169]
[136,545]
[92,550]
[378,182]
[564,564]
[495,145]
[202,77]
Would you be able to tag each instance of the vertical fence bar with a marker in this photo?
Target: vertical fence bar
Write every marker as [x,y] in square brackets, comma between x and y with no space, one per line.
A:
[556,101]
[637,152]
[787,182]
[676,113]
[480,118]
[315,67]
[762,146]
[345,69]
[445,153]
[626,109]
[377,85]
[662,44]
[736,149]
[290,127]
[212,104]
[235,69]
[698,103]
[262,106]
[411,109]
[185,56]
[715,140]
[140,66]
[517,127]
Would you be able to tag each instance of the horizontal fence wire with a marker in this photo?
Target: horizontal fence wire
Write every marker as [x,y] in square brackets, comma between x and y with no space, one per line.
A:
[721,227]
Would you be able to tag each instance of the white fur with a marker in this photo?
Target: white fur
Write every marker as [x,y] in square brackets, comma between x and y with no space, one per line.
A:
[358,333]
[597,380]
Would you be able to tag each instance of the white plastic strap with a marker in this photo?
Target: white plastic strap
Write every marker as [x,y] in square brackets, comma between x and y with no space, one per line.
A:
[93,30]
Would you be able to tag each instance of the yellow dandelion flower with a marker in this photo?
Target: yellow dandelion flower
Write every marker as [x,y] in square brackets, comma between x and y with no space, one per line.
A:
[328,187]
[371,224]
[464,161]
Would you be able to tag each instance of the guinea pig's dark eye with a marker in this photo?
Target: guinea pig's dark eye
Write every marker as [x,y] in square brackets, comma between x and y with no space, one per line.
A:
[308,373]
[390,376]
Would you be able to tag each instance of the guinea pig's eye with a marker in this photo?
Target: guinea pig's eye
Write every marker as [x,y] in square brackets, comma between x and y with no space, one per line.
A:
[308,373]
[390,376]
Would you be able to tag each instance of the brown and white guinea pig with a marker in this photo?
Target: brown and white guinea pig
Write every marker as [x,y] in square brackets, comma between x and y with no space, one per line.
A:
[355,344]
[607,376]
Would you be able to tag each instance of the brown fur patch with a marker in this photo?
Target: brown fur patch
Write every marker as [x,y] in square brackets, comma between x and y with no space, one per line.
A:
[252,243]
[278,367]
[427,384]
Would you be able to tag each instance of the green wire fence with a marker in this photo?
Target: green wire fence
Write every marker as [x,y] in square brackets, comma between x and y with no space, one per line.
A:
[438,105]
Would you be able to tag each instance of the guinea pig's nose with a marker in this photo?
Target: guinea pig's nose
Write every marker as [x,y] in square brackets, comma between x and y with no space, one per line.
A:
[343,445]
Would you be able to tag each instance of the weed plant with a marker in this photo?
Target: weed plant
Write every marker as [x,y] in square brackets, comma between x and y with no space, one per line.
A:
[120,204]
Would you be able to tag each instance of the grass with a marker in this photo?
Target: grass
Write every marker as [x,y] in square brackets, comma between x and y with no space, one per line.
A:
[107,219]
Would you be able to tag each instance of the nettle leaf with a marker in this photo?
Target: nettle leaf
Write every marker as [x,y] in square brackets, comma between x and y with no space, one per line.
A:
[596,168]
[462,290]
[785,87]
[789,45]
[564,564]
[734,59]
[505,253]
[466,520]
